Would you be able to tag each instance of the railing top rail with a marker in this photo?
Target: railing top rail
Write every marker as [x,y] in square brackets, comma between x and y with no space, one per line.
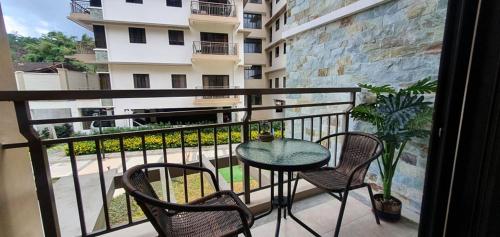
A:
[21,96]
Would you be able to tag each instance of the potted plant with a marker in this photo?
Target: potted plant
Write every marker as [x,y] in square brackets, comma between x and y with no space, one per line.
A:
[265,132]
[399,116]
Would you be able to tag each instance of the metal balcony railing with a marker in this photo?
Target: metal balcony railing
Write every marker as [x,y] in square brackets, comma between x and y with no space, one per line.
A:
[213,9]
[84,49]
[80,6]
[215,48]
[217,87]
[194,137]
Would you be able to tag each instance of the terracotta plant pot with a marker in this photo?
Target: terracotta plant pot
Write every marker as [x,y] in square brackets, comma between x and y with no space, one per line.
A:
[388,210]
[266,137]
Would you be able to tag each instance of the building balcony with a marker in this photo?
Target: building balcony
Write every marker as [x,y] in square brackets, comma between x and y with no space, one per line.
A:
[84,14]
[90,55]
[203,12]
[218,51]
[217,101]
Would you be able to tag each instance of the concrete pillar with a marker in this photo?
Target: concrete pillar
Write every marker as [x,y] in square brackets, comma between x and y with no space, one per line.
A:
[19,214]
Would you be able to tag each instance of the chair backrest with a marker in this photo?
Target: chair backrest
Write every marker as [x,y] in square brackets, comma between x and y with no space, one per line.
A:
[159,217]
[358,149]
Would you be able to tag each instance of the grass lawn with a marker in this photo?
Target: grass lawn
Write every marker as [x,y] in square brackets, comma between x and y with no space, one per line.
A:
[193,187]
[237,178]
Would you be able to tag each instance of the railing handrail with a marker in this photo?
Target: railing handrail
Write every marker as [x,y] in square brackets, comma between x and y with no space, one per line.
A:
[80,6]
[213,8]
[213,3]
[21,96]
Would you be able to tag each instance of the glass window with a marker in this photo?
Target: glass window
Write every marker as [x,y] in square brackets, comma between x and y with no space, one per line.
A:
[176,37]
[134,1]
[256,99]
[284,82]
[270,58]
[285,16]
[100,37]
[276,83]
[252,21]
[179,81]
[284,48]
[253,72]
[277,25]
[253,45]
[141,81]
[137,35]
[95,3]
[270,83]
[174,3]
[277,51]
[255,1]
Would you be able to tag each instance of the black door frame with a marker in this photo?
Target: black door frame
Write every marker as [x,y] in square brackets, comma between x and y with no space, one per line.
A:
[459,197]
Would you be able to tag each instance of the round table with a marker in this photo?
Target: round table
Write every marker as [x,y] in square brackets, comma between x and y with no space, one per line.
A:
[283,155]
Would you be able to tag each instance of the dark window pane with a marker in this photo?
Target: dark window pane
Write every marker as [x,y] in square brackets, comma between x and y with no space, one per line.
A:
[179,81]
[255,1]
[174,3]
[276,83]
[215,81]
[252,21]
[270,58]
[104,82]
[95,3]
[100,37]
[134,1]
[284,48]
[253,45]
[270,83]
[277,51]
[284,82]
[137,35]
[285,16]
[277,26]
[253,72]
[176,37]
[141,80]
[256,99]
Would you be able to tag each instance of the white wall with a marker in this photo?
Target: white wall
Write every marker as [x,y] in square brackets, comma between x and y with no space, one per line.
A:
[277,35]
[38,81]
[151,11]
[277,7]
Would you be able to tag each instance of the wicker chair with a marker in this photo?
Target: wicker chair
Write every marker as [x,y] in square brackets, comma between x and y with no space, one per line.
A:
[219,214]
[358,151]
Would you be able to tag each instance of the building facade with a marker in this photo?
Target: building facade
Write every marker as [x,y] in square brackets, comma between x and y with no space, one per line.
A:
[177,44]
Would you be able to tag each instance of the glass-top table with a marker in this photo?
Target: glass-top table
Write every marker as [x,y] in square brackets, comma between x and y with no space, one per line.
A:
[283,155]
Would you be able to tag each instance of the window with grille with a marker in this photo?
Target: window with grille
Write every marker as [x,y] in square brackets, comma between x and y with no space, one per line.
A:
[253,72]
[179,81]
[252,21]
[253,45]
[176,37]
[137,35]
[141,81]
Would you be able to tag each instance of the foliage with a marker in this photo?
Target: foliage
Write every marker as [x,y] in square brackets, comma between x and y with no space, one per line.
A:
[153,142]
[399,116]
[50,47]
[65,130]
[44,133]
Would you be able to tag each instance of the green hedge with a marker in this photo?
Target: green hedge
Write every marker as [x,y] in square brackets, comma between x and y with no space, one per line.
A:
[154,142]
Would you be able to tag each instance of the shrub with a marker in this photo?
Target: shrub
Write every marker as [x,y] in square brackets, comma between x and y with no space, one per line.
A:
[153,142]
[65,130]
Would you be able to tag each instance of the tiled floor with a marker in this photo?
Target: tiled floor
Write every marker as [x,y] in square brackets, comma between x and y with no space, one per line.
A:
[320,213]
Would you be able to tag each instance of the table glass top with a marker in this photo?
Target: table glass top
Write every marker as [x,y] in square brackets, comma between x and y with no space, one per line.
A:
[283,152]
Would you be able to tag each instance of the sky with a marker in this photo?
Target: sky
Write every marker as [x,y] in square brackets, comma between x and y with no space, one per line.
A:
[36,17]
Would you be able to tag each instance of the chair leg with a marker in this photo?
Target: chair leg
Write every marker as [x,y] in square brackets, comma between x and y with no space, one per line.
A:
[370,192]
[341,214]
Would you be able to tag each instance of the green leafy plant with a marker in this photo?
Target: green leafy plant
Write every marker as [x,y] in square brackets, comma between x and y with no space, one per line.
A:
[399,116]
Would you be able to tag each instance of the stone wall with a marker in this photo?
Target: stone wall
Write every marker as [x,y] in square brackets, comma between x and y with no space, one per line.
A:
[396,43]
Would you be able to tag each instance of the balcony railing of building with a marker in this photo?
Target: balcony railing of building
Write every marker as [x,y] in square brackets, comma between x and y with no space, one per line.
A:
[217,87]
[84,49]
[213,9]
[193,137]
[80,6]
[215,48]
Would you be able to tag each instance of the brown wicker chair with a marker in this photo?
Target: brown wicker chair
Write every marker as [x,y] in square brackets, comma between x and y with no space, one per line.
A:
[219,214]
[357,153]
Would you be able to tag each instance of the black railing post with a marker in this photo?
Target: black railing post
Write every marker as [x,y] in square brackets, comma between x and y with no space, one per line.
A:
[246,138]
[41,171]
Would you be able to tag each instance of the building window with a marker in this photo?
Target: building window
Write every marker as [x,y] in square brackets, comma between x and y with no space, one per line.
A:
[104,81]
[179,81]
[100,37]
[284,48]
[256,99]
[176,37]
[277,1]
[276,83]
[253,72]
[95,3]
[277,51]
[174,3]
[277,25]
[285,16]
[141,80]
[270,83]
[252,21]
[255,1]
[284,82]
[270,58]
[137,35]
[253,45]
[134,1]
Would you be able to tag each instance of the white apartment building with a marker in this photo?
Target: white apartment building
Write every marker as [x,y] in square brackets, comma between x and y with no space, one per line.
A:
[164,44]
